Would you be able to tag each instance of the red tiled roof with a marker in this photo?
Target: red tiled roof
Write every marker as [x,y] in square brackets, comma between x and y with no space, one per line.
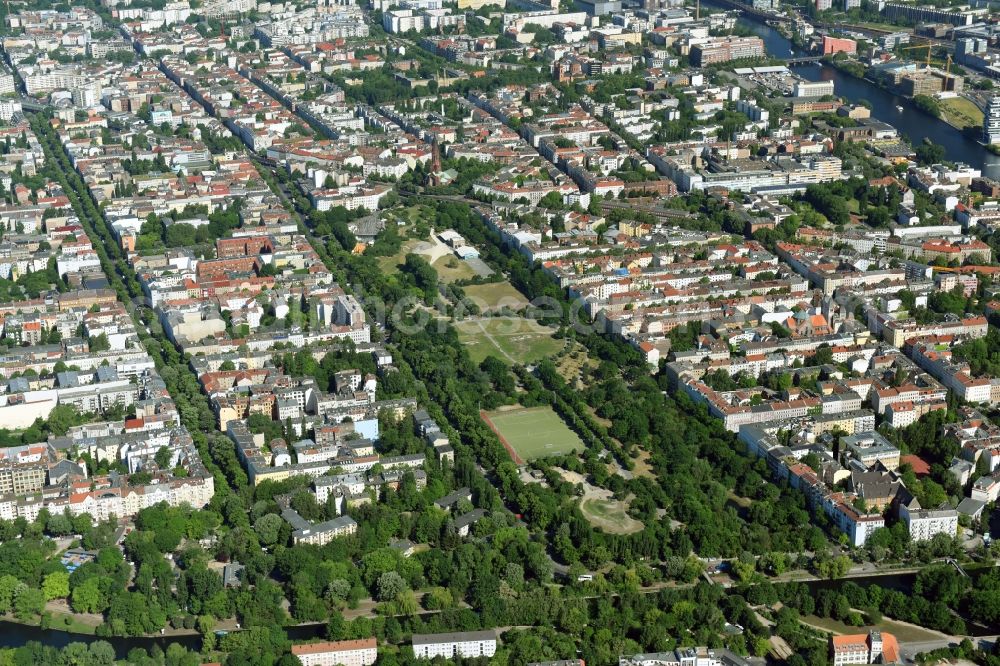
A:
[920,467]
[334,646]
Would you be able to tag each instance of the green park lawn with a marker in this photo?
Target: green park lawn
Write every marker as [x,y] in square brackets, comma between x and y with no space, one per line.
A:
[609,515]
[511,339]
[534,432]
[495,295]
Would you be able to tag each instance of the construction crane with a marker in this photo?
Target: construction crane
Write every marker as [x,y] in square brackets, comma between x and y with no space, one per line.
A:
[927,46]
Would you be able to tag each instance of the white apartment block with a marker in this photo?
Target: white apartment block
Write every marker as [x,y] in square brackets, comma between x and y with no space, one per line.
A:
[985,489]
[7,85]
[925,524]
[691,656]
[465,644]
[60,79]
[9,108]
[402,20]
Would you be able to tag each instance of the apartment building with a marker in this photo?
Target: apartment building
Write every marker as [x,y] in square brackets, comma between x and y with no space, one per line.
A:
[466,644]
[812,89]
[735,412]
[693,656]
[830,45]
[359,652]
[726,49]
[986,488]
[897,11]
[19,477]
[897,331]
[318,534]
[925,524]
[991,122]
[870,448]
[838,506]
[934,355]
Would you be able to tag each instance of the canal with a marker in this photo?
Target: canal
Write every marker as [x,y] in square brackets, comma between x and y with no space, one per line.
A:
[13,634]
[914,124]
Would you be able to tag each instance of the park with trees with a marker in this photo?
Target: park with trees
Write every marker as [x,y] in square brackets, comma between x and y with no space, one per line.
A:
[701,497]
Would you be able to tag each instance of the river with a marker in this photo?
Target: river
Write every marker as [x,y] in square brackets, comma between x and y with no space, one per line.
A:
[13,634]
[914,124]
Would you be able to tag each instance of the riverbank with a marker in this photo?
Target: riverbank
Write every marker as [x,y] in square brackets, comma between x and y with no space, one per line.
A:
[960,112]
[858,71]
[904,631]
[16,633]
[849,67]
[853,85]
[57,621]
[60,617]
[85,624]
[954,113]
[916,127]
[867,572]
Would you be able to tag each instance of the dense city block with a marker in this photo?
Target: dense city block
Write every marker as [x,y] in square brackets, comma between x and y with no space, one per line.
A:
[514,332]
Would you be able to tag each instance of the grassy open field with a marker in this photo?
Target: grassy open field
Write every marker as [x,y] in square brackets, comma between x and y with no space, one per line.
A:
[887,27]
[450,268]
[903,631]
[392,264]
[495,295]
[511,339]
[417,212]
[609,515]
[960,112]
[532,432]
